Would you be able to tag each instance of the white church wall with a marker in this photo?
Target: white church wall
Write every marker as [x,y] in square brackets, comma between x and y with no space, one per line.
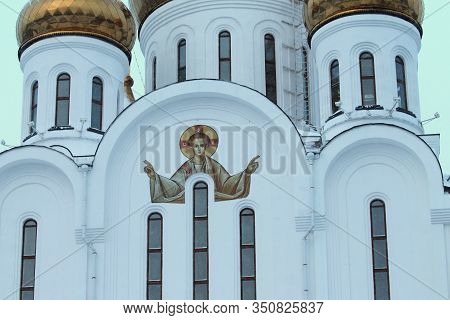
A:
[383,36]
[222,106]
[83,59]
[367,164]
[41,184]
[201,24]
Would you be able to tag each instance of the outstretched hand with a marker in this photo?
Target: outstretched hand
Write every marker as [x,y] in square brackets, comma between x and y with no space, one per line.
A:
[252,165]
[149,170]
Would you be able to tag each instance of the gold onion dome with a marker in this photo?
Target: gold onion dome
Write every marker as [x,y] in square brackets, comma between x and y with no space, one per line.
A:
[143,8]
[320,12]
[109,20]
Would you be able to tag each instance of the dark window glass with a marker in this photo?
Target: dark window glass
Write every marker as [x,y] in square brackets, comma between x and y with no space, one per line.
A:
[368,86]
[248,255]
[201,198]
[401,82]
[201,266]
[154,292]
[200,242]
[379,250]
[248,289]
[154,256]
[270,64]
[27,283]
[62,100]
[305,74]
[201,233]
[154,74]
[201,292]
[335,86]
[155,236]
[381,285]
[225,56]
[97,103]
[182,61]
[27,295]
[34,104]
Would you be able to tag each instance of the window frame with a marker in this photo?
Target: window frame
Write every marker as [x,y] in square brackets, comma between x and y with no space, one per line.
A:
[378,203]
[97,102]
[160,250]
[34,104]
[200,185]
[63,98]
[228,58]
[335,85]
[24,288]
[242,246]
[154,65]
[307,114]
[400,61]
[270,79]
[182,69]
[367,77]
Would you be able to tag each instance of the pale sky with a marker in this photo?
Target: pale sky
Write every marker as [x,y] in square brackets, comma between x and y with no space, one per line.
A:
[434,73]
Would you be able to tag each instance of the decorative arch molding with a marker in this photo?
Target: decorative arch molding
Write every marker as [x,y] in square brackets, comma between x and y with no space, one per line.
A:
[151,52]
[407,142]
[251,104]
[110,87]
[373,21]
[27,100]
[144,215]
[411,76]
[237,209]
[260,30]
[176,35]
[52,80]
[212,31]
[171,12]
[324,86]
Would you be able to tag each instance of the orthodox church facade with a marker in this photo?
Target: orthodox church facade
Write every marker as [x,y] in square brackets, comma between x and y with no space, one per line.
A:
[277,153]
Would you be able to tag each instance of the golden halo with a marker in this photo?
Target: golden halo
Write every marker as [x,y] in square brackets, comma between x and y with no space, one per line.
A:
[210,132]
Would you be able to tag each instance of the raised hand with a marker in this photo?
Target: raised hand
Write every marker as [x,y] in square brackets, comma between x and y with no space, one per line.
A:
[252,165]
[149,170]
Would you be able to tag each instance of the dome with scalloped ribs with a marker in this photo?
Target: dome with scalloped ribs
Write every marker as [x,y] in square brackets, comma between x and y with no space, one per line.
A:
[320,12]
[109,20]
[143,8]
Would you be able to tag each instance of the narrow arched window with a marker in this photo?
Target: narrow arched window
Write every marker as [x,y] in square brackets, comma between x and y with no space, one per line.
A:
[182,60]
[62,100]
[248,255]
[401,82]
[154,74]
[379,250]
[368,86]
[27,280]
[225,56]
[34,105]
[154,256]
[271,70]
[335,86]
[97,104]
[305,94]
[201,263]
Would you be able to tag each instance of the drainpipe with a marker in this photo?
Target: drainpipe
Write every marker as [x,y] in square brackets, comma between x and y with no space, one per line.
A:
[310,156]
[91,253]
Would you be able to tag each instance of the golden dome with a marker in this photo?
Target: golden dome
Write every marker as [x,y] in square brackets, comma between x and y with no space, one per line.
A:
[109,20]
[320,12]
[143,8]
